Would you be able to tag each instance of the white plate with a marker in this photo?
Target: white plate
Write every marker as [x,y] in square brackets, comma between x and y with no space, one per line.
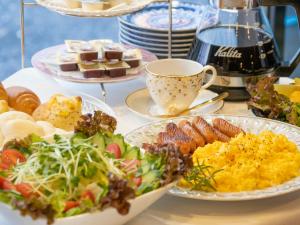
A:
[107,217]
[141,103]
[148,134]
[146,34]
[60,7]
[152,44]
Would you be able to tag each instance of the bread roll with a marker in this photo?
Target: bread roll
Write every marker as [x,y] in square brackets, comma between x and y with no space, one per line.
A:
[19,128]
[48,128]
[12,115]
[22,99]
[3,93]
[3,106]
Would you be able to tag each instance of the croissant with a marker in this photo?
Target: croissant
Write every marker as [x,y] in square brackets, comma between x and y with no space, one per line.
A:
[22,99]
[3,93]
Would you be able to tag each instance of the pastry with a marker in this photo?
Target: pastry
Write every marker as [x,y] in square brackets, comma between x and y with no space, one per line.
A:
[73,46]
[3,93]
[92,69]
[12,115]
[22,99]
[62,112]
[87,52]
[132,57]
[73,4]
[67,61]
[116,69]
[95,5]
[19,128]
[3,106]
[114,51]
[47,127]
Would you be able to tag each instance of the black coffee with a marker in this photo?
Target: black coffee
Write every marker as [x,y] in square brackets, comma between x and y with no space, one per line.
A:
[236,50]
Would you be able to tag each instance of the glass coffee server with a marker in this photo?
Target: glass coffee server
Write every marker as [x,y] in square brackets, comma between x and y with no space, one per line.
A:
[241,45]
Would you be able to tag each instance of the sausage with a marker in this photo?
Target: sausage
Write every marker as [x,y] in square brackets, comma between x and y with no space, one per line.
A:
[190,131]
[221,137]
[226,128]
[184,144]
[205,129]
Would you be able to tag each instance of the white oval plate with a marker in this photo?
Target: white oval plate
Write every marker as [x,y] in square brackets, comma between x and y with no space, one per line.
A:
[60,7]
[151,43]
[148,134]
[110,216]
[141,103]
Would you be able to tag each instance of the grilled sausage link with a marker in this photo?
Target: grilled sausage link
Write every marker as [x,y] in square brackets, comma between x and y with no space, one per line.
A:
[190,131]
[221,137]
[205,129]
[226,128]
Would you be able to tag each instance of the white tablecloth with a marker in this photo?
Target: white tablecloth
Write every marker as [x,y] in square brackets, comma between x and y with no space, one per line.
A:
[170,210]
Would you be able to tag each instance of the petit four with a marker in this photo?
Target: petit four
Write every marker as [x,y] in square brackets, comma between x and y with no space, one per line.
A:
[116,69]
[114,51]
[73,4]
[67,61]
[92,69]
[132,57]
[87,52]
[95,5]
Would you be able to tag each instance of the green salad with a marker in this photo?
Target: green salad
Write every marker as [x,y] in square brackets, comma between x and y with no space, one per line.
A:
[89,170]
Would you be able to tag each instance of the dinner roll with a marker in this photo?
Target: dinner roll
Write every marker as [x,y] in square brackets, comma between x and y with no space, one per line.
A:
[20,128]
[12,115]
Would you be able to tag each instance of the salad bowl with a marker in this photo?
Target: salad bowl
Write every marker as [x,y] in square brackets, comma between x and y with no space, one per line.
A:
[110,216]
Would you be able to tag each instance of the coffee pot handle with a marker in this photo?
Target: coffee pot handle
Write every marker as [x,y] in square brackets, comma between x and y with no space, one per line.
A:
[287,68]
[294,3]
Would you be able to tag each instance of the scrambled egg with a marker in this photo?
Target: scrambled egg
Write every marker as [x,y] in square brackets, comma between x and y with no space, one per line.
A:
[295,96]
[61,111]
[250,162]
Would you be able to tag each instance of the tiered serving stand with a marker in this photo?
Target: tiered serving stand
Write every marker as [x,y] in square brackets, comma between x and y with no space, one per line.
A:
[97,14]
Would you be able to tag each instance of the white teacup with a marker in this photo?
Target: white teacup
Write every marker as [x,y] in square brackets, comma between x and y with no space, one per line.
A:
[175,83]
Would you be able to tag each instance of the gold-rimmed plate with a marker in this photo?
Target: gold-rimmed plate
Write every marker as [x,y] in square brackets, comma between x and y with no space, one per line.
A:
[141,103]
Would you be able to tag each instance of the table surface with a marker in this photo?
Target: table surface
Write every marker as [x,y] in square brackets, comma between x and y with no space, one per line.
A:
[170,210]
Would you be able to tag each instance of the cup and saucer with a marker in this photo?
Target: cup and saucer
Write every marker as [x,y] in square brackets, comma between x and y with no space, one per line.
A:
[174,85]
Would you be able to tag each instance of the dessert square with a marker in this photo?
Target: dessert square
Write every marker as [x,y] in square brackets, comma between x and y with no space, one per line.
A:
[116,69]
[92,69]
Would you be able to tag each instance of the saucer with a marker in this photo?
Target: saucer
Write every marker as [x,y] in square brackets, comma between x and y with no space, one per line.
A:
[141,103]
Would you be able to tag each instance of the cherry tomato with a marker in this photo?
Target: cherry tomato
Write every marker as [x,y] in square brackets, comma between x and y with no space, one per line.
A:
[2,179]
[137,181]
[114,149]
[8,186]
[88,195]
[70,205]
[11,157]
[24,189]
[4,166]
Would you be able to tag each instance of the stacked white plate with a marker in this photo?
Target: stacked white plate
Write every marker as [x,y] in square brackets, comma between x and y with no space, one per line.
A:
[148,28]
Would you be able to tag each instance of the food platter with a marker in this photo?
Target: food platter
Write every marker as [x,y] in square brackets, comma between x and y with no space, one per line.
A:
[60,7]
[148,134]
[41,61]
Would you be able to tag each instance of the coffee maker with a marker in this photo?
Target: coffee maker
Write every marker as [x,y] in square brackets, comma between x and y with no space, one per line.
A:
[240,44]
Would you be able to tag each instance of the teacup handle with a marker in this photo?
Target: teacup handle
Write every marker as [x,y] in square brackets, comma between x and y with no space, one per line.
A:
[213,77]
